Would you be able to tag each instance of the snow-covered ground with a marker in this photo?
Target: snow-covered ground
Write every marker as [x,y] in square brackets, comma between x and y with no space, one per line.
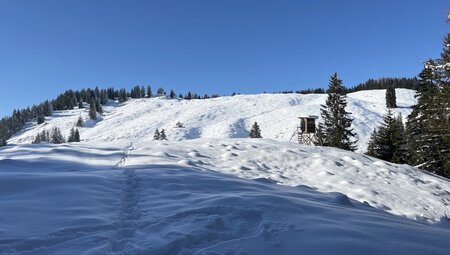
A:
[224,117]
[174,198]
[212,190]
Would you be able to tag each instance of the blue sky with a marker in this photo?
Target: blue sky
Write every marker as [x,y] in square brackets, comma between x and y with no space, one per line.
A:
[210,46]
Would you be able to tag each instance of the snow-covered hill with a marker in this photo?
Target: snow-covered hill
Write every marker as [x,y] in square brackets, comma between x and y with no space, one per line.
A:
[212,190]
[224,117]
[174,198]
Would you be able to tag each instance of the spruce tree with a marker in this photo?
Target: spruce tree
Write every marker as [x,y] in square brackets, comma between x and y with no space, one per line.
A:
[172,94]
[337,131]
[92,111]
[56,136]
[255,131]
[160,91]
[37,139]
[391,99]
[149,91]
[372,146]
[71,138]
[77,136]
[163,135]
[157,135]
[80,122]
[98,106]
[428,123]
[80,104]
[40,118]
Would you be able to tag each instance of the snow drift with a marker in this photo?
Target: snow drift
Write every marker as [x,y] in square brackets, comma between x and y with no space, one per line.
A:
[166,198]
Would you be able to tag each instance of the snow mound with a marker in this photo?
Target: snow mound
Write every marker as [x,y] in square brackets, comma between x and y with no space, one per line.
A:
[224,117]
[131,199]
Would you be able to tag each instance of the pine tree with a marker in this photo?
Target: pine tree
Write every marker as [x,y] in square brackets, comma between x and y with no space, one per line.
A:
[428,124]
[40,118]
[172,94]
[77,136]
[37,139]
[71,138]
[142,92]
[74,136]
[255,131]
[149,91]
[80,104]
[391,99]
[92,111]
[337,131]
[372,146]
[80,122]
[160,91]
[56,136]
[98,106]
[163,135]
[157,135]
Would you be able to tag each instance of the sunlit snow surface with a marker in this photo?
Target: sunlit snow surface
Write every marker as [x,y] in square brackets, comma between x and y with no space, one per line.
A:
[210,190]
[224,117]
[183,197]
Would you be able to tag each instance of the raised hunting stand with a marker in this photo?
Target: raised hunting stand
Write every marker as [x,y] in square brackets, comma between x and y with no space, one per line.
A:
[306,131]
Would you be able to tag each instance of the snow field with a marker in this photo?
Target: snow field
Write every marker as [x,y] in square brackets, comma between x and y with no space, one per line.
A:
[141,203]
[223,117]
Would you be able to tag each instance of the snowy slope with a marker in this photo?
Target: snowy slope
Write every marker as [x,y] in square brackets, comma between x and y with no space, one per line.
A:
[170,198]
[225,117]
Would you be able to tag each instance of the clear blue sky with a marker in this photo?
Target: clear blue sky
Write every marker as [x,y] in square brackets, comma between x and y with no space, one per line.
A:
[210,46]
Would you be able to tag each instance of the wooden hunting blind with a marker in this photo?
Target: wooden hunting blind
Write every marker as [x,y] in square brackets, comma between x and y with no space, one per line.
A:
[306,131]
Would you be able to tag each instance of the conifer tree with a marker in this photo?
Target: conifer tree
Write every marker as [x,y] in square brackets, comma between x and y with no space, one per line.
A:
[142,92]
[172,94]
[80,104]
[163,135]
[149,91]
[37,139]
[157,135]
[71,138]
[255,131]
[160,91]
[56,136]
[98,106]
[77,135]
[80,122]
[40,118]
[372,146]
[427,124]
[92,111]
[391,99]
[337,131]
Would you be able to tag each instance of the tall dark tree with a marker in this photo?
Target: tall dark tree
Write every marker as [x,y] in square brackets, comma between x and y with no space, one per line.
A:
[74,136]
[255,131]
[172,94]
[149,91]
[56,136]
[98,106]
[391,99]
[160,91]
[77,135]
[156,135]
[337,131]
[80,122]
[92,111]
[428,126]
[387,141]
[163,135]
[40,118]
[80,104]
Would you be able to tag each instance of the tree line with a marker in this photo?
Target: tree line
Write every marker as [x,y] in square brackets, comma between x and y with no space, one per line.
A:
[424,140]
[71,99]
